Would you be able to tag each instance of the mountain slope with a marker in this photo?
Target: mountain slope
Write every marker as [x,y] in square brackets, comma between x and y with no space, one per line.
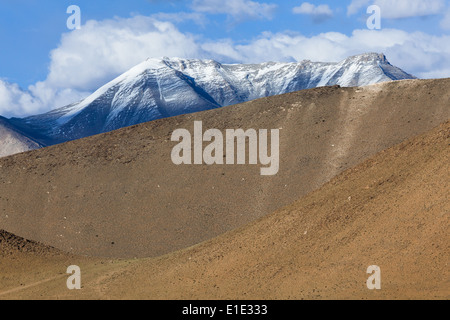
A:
[13,141]
[391,211]
[119,194]
[160,88]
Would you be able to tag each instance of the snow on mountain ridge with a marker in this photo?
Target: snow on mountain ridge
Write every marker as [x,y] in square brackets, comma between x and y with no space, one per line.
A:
[159,88]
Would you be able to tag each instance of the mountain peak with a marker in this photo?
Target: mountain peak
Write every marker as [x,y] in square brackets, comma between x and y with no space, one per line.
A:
[164,87]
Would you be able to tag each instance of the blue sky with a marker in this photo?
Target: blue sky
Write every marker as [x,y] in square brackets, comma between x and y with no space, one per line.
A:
[43,65]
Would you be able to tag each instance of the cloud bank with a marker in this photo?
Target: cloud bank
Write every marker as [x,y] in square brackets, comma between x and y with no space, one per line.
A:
[237,9]
[101,50]
[396,9]
[318,13]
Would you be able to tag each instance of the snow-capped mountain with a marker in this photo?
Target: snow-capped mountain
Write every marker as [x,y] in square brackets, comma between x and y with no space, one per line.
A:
[13,141]
[159,88]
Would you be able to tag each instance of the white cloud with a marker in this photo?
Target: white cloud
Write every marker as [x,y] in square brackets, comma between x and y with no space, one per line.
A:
[356,5]
[178,17]
[395,9]
[16,102]
[418,53]
[445,23]
[238,9]
[318,13]
[88,58]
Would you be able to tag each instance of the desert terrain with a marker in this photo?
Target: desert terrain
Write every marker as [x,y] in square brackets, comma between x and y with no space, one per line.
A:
[364,180]
[119,195]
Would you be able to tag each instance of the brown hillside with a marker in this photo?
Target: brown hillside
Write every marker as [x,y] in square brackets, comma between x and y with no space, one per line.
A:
[24,262]
[391,211]
[119,195]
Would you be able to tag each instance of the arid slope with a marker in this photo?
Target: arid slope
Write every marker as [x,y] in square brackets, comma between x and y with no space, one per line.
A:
[119,195]
[391,211]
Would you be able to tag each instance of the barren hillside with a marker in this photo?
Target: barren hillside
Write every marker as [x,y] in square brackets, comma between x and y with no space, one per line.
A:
[391,211]
[119,194]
